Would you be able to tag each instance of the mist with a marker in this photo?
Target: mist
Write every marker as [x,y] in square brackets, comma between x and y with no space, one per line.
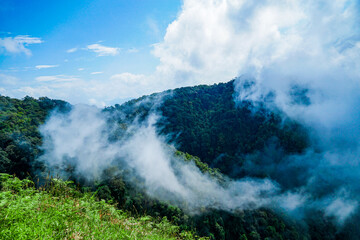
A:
[315,81]
[301,58]
[82,143]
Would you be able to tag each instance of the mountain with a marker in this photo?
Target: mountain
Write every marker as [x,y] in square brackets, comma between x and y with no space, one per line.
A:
[206,122]
[208,128]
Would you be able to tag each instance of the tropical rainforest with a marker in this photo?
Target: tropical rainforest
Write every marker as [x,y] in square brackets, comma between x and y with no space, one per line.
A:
[203,125]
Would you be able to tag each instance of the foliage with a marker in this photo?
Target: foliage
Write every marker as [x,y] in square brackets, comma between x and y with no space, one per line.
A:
[204,168]
[211,126]
[206,122]
[58,211]
[212,223]
[19,135]
[203,121]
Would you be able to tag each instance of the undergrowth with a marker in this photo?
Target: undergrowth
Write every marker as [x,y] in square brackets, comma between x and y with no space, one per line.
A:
[59,211]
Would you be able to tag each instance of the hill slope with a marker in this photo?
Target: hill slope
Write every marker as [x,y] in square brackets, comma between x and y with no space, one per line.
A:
[203,121]
[20,138]
[58,211]
[206,122]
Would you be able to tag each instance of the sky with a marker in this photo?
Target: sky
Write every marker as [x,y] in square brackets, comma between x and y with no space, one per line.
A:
[103,52]
[61,49]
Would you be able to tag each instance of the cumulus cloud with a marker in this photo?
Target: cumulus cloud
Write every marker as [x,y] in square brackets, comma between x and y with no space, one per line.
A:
[215,40]
[102,50]
[18,44]
[45,66]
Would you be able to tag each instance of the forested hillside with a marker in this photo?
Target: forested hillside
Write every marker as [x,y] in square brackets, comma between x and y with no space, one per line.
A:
[201,121]
[59,211]
[206,122]
[20,138]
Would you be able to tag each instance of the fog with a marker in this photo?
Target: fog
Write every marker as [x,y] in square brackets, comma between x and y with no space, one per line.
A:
[316,82]
[298,57]
[82,143]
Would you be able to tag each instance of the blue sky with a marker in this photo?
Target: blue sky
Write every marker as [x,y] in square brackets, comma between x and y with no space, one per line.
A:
[66,28]
[105,51]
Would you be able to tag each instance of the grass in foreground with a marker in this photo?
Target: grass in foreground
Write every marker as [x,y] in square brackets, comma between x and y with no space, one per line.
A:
[61,212]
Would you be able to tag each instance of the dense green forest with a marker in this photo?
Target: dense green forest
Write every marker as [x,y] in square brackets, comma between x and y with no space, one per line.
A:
[20,138]
[201,121]
[206,122]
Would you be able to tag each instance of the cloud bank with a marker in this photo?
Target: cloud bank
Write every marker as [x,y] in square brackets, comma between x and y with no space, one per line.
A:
[213,40]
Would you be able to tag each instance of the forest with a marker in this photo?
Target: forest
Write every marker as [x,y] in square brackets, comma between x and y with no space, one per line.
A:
[208,129]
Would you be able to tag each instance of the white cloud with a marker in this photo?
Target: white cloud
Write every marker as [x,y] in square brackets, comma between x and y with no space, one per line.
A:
[71,50]
[56,78]
[94,73]
[18,44]
[81,69]
[103,50]
[45,66]
[216,40]
[7,79]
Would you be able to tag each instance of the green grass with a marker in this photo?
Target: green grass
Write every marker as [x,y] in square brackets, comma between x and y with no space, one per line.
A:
[58,211]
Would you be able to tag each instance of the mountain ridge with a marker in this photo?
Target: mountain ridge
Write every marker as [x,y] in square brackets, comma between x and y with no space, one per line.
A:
[194,118]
